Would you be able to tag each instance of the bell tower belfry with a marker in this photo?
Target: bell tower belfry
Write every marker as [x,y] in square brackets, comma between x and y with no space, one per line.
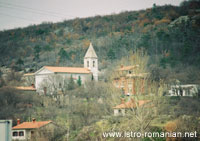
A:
[91,62]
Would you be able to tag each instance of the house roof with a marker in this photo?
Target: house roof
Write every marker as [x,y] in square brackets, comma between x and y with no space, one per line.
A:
[31,125]
[68,69]
[125,68]
[131,104]
[90,52]
[28,74]
[25,88]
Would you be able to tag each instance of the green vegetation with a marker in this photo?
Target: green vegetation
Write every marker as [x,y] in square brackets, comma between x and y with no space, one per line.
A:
[79,82]
[168,38]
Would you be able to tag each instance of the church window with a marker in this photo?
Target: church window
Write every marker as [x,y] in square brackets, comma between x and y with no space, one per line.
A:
[93,63]
[87,63]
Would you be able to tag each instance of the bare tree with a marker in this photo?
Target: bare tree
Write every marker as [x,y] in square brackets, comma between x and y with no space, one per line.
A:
[145,100]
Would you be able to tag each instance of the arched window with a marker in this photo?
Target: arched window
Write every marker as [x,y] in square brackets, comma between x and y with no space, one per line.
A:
[88,64]
[93,63]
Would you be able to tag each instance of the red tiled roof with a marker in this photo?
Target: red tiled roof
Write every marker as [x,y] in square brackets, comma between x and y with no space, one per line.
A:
[128,104]
[68,69]
[124,68]
[131,104]
[31,125]
[28,74]
[28,88]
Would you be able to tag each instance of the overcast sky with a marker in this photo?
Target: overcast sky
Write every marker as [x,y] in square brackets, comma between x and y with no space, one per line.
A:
[21,13]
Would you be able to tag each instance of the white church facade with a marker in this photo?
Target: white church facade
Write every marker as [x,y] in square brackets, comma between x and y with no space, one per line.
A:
[50,79]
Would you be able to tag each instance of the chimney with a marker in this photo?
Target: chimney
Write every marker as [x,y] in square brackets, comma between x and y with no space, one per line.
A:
[33,119]
[122,101]
[18,121]
[33,85]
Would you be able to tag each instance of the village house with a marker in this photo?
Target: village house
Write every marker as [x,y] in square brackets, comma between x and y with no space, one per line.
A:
[40,130]
[121,109]
[129,80]
[50,79]
[184,90]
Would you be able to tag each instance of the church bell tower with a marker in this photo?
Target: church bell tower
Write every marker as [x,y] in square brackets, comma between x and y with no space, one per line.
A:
[91,62]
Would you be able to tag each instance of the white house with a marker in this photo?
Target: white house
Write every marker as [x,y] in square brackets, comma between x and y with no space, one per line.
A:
[49,79]
[184,90]
[33,130]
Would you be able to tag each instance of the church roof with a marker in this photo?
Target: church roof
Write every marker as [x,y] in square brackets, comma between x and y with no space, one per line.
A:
[90,52]
[68,69]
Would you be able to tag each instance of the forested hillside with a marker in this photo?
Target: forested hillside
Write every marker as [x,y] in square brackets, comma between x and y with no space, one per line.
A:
[170,35]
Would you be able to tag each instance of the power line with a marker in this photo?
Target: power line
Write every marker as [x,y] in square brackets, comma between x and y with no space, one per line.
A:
[29,8]
[35,12]
[5,3]
[17,17]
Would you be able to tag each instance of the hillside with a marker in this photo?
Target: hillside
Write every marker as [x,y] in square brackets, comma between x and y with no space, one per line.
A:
[170,35]
[162,42]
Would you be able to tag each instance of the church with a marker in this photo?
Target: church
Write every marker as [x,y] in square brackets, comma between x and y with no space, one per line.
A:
[51,79]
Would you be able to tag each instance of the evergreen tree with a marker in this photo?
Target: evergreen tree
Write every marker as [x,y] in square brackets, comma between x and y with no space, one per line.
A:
[20,63]
[37,50]
[79,82]
[111,54]
[71,84]
[92,77]
[63,54]
[48,49]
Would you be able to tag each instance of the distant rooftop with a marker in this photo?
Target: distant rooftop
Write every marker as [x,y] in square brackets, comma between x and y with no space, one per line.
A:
[31,125]
[131,104]
[26,88]
[125,68]
[28,74]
